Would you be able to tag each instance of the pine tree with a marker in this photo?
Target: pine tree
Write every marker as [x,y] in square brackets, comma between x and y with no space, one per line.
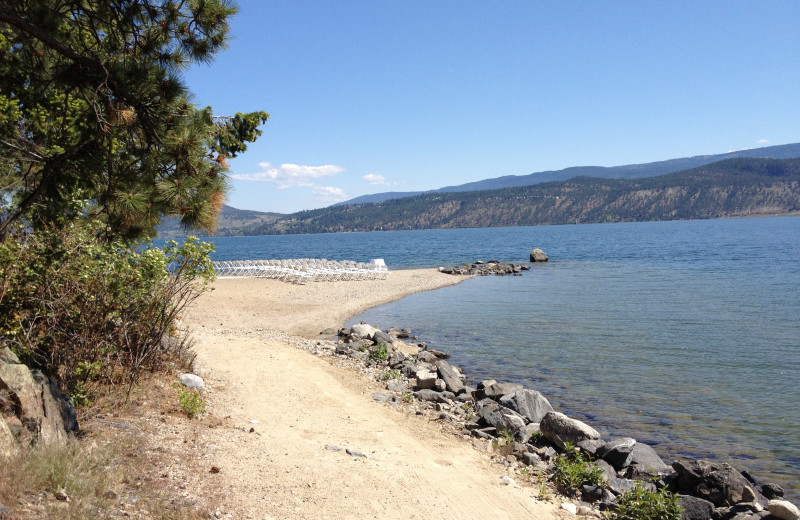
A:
[95,120]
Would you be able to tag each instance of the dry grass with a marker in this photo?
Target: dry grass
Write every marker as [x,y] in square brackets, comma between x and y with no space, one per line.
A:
[135,458]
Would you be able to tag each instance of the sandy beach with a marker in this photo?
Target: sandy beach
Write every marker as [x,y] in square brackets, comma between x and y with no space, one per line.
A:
[305,412]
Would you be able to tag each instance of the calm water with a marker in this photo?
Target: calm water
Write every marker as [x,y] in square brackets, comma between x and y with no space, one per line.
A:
[684,335]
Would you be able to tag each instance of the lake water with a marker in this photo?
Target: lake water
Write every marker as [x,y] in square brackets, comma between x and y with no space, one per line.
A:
[684,335]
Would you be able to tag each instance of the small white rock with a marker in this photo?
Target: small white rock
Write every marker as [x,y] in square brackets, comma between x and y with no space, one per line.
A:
[572,508]
[191,381]
[783,509]
[508,481]
[253,421]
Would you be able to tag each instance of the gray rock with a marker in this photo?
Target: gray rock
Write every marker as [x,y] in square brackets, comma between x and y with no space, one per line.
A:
[530,458]
[617,451]
[426,380]
[591,493]
[498,416]
[434,396]
[537,255]
[497,390]
[694,508]
[619,486]
[8,357]
[450,376]
[646,461]
[191,381]
[8,443]
[381,337]
[396,386]
[783,509]
[717,482]
[771,490]
[381,397]
[526,432]
[590,445]
[396,359]
[528,403]
[363,330]
[46,414]
[427,357]
[606,468]
[559,429]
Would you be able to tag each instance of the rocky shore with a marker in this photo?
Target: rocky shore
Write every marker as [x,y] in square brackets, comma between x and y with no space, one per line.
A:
[523,432]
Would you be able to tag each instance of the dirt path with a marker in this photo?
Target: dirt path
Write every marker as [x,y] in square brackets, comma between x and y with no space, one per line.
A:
[306,413]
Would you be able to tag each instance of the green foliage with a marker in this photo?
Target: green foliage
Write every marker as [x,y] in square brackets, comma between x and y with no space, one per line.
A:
[95,120]
[389,375]
[88,312]
[643,504]
[191,402]
[379,352]
[573,470]
[506,435]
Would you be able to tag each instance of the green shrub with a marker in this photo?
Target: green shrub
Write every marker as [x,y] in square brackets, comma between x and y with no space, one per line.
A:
[192,403]
[379,352]
[573,470]
[86,311]
[643,504]
[389,375]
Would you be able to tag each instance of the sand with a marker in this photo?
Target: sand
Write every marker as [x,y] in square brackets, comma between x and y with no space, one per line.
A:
[305,412]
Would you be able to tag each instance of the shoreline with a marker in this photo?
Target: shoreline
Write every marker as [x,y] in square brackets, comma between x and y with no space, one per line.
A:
[303,438]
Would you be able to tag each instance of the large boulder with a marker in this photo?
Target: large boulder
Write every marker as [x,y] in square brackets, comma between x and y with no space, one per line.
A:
[693,508]
[617,451]
[528,403]
[783,509]
[646,462]
[717,482]
[560,429]
[34,407]
[363,330]
[537,255]
[498,416]
[450,376]
[498,390]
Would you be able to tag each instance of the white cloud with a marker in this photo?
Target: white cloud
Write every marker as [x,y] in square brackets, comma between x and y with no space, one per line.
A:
[763,141]
[329,193]
[375,179]
[289,175]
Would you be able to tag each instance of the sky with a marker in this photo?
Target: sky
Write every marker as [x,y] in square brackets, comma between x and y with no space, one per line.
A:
[387,95]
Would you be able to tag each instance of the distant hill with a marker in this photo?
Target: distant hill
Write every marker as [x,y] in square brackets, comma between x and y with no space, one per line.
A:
[229,220]
[729,188]
[630,171]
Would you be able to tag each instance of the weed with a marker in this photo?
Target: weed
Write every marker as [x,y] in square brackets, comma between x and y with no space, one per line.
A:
[408,397]
[544,492]
[470,417]
[574,470]
[643,504]
[192,403]
[391,374]
[536,438]
[379,352]
[506,435]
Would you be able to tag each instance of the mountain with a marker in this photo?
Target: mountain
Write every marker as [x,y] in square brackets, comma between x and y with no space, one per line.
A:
[630,171]
[730,188]
[228,221]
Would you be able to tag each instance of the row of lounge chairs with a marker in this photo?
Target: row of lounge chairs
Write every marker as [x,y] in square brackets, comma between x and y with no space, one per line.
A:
[304,270]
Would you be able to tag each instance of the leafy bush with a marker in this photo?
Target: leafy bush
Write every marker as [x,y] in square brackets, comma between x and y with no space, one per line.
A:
[379,352]
[86,311]
[643,504]
[192,403]
[574,470]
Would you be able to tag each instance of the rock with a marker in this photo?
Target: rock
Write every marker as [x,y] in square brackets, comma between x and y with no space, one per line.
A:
[427,357]
[327,332]
[528,403]
[748,495]
[537,255]
[439,385]
[572,508]
[396,359]
[396,386]
[381,337]
[191,381]
[363,330]
[450,376]
[590,445]
[498,416]
[530,458]
[559,429]
[771,490]
[694,508]
[497,390]
[717,482]
[8,357]
[45,414]
[591,493]
[381,397]
[8,443]
[646,461]
[508,481]
[783,509]
[606,468]
[434,396]
[426,380]
[619,486]
[527,432]
[617,451]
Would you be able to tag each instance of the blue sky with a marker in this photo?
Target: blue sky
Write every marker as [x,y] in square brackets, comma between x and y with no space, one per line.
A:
[374,96]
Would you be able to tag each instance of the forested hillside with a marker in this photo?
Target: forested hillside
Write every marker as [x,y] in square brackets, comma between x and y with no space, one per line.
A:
[730,188]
